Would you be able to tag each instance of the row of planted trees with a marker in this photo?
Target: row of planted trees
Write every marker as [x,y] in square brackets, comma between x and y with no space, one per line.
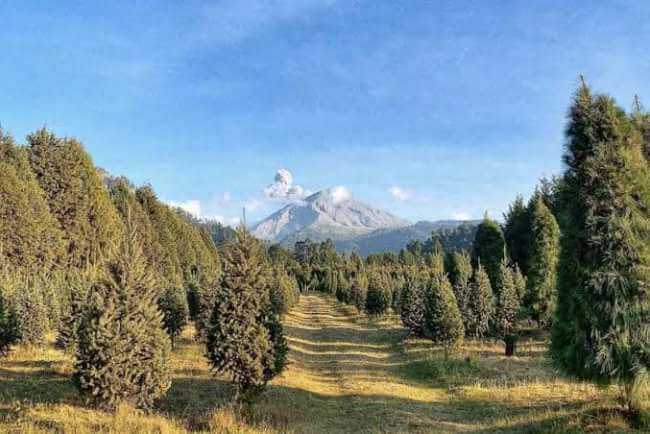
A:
[582,241]
[117,275]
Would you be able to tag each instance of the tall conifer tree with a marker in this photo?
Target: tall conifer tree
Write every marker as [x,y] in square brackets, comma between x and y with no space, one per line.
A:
[602,326]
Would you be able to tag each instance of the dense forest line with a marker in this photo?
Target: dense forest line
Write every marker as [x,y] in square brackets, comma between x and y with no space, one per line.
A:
[117,274]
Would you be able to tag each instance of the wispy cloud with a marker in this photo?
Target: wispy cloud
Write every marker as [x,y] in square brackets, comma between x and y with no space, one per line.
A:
[400,193]
[461,215]
[191,206]
[228,21]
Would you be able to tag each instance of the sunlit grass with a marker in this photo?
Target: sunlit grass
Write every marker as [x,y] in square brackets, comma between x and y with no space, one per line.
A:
[347,373]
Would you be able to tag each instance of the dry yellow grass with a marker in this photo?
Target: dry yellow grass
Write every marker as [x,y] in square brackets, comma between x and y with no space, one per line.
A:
[347,373]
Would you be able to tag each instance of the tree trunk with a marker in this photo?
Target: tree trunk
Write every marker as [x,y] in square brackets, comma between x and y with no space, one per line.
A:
[511,343]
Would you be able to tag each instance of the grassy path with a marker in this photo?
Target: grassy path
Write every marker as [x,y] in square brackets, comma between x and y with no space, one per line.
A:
[347,374]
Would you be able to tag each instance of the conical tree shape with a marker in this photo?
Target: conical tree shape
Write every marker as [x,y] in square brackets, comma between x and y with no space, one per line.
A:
[541,294]
[77,198]
[462,265]
[378,298]
[412,301]
[123,350]
[443,323]
[29,235]
[481,304]
[173,305]
[602,326]
[489,248]
[507,304]
[359,290]
[238,342]
[516,233]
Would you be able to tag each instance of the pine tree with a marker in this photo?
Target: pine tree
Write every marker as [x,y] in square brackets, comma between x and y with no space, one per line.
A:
[359,290]
[481,304]
[516,232]
[443,323]
[8,326]
[283,291]
[412,301]
[30,311]
[77,198]
[507,308]
[173,305]
[378,298]
[602,326]
[239,342]
[489,248]
[123,350]
[541,294]
[521,283]
[462,270]
[29,235]
[76,286]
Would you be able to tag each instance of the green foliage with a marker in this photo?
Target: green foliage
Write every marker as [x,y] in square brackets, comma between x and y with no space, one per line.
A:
[602,326]
[239,342]
[412,300]
[379,296]
[507,303]
[77,198]
[76,288]
[284,293]
[359,290]
[461,266]
[443,322]
[481,304]
[516,232]
[540,298]
[123,350]
[489,248]
[277,359]
[9,333]
[173,305]
[29,235]
[31,311]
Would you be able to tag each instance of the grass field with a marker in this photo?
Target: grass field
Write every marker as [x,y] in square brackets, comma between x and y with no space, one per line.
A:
[347,373]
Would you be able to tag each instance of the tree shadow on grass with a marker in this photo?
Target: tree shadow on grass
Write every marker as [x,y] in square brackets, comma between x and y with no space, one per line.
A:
[192,400]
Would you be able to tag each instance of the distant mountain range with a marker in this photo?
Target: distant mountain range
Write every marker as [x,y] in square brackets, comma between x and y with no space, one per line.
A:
[351,224]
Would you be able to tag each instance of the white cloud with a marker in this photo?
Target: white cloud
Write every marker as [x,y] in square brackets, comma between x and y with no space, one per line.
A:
[191,206]
[461,216]
[340,194]
[227,197]
[399,193]
[283,189]
[228,21]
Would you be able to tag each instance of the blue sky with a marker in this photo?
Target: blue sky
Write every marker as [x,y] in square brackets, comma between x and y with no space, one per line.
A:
[429,109]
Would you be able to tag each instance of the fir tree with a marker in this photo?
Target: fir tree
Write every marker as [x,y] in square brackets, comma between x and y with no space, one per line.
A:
[239,342]
[412,301]
[359,290]
[8,326]
[443,323]
[77,198]
[173,305]
[516,232]
[123,350]
[378,299]
[489,248]
[541,294]
[481,304]
[30,311]
[507,307]
[462,270]
[602,326]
